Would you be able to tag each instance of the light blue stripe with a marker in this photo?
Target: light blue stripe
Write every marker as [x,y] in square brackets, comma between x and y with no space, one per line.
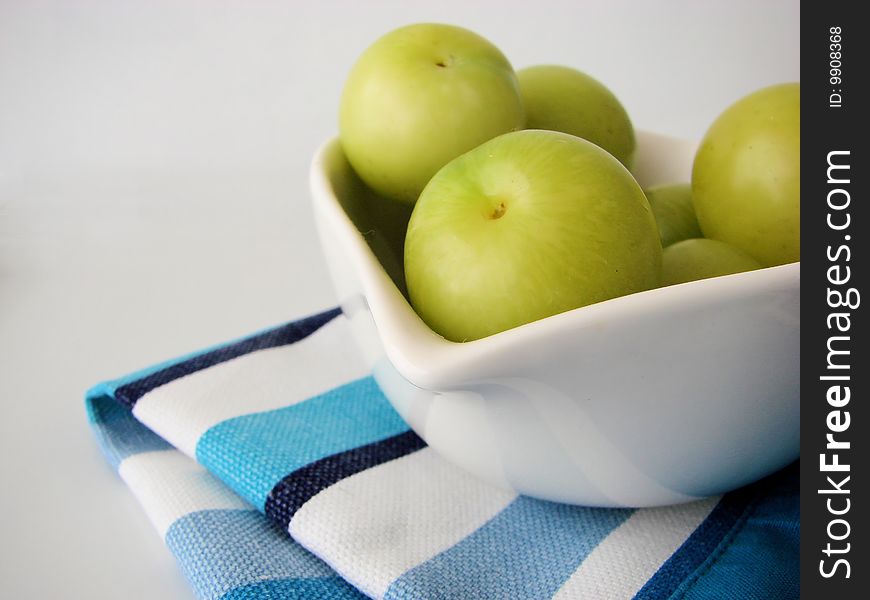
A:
[327,588]
[528,550]
[222,550]
[118,432]
[254,452]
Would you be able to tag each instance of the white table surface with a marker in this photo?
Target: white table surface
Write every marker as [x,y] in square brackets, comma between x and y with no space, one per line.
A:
[153,200]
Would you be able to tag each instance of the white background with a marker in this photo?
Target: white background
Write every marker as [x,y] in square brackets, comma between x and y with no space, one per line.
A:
[153,200]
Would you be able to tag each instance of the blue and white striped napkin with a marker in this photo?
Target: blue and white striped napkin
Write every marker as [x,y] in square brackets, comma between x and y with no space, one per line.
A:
[230,449]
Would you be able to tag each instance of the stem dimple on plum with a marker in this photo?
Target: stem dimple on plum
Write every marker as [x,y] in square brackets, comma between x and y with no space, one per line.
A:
[443,63]
[497,212]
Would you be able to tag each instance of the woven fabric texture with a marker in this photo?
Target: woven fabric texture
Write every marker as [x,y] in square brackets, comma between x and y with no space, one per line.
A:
[273,467]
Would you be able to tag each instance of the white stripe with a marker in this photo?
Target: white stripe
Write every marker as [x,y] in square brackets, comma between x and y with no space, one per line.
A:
[376,525]
[625,560]
[181,411]
[170,485]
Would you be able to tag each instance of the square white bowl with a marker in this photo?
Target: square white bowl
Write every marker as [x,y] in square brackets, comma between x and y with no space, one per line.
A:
[659,397]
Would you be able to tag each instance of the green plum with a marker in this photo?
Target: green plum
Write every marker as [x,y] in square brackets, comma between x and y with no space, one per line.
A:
[690,260]
[672,206]
[528,225]
[746,184]
[565,99]
[381,221]
[419,97]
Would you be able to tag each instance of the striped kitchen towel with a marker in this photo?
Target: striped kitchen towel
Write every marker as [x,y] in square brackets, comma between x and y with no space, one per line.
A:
[231,448]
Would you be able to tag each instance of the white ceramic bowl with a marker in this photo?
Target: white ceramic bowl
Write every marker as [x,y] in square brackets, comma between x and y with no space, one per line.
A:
[655,398]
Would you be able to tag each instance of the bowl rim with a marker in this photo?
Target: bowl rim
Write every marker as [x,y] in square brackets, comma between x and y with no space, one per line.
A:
[430,361]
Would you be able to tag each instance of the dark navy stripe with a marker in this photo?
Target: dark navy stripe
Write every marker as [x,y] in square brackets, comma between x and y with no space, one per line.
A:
[130,393]
[252,453]
[301,485]
[728,514]
[761,558]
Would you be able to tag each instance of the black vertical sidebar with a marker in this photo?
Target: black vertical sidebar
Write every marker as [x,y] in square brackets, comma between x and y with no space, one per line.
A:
[834,363]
